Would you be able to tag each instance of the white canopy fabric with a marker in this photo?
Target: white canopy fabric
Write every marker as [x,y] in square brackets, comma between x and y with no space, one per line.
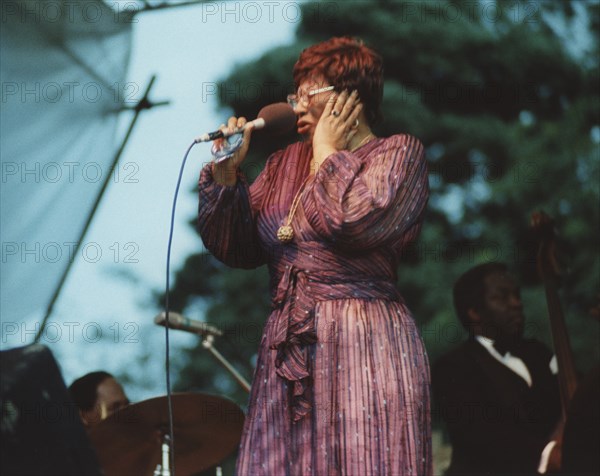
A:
[63,71]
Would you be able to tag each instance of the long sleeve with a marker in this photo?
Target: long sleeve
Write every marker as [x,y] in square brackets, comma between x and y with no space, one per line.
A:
[227,219]
[365,206]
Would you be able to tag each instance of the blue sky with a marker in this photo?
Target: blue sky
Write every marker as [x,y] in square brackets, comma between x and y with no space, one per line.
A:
[189,49]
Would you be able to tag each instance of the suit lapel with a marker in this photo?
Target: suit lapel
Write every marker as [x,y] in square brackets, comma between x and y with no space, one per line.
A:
[505,386]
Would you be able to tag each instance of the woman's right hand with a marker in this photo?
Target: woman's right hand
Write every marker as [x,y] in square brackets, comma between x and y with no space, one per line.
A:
[225,172]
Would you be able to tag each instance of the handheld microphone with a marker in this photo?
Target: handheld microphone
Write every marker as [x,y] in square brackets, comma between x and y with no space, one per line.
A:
[277,118]
[177,321]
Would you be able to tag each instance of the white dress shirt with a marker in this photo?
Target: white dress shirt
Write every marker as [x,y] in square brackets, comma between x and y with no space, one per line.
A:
[512,362]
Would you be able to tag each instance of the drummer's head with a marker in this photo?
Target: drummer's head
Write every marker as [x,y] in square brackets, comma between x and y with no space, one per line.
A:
[97,395]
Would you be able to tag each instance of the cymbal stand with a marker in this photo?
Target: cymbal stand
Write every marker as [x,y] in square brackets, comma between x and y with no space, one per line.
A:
[207,343]
[164,469]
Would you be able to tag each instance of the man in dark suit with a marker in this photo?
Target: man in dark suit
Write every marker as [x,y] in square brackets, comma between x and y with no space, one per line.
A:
[497,391]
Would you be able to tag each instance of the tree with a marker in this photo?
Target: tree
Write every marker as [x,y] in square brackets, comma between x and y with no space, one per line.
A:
[508,111]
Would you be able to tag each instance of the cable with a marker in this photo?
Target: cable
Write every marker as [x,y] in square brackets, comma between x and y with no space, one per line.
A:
[167,359]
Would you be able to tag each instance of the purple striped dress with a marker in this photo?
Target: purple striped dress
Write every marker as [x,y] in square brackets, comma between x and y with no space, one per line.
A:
[341,385]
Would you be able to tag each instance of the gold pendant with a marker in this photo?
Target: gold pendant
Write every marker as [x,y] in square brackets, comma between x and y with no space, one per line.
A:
[285,234]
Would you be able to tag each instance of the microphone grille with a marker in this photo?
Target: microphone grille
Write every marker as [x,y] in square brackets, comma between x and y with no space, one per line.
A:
[279,117]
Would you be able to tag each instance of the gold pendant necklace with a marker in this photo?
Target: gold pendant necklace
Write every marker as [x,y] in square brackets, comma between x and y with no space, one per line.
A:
[285,233]
[366,139]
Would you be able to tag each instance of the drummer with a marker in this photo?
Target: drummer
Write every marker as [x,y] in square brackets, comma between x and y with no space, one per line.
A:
[97,395]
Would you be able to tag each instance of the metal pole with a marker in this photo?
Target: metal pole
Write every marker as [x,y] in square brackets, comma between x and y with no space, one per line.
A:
[161,6]
[207,343]
[144,103]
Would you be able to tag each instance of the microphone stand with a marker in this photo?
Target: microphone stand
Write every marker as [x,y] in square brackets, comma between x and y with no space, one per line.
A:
[207,343]
[164,469]
[208,338]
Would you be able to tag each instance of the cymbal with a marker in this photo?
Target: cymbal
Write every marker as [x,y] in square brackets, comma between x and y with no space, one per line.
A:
[206,429]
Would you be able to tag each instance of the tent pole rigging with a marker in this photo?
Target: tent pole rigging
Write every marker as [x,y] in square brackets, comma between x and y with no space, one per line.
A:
[143,104]
[148,7]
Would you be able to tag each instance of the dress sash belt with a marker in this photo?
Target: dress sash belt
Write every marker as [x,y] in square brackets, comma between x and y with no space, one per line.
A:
[299,289]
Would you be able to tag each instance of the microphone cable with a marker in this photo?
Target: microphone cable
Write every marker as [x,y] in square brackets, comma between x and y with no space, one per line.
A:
[167,286]
[280,117]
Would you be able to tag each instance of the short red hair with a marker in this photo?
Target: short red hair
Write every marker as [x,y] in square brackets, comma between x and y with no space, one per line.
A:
[346,63]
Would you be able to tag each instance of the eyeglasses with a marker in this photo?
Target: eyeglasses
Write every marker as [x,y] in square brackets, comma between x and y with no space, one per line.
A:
[303,99]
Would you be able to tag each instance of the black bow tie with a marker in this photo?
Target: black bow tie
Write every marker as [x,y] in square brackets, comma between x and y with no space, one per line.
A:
[504,346]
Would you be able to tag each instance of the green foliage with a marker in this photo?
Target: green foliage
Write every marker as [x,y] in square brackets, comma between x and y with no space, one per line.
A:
[510,120]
